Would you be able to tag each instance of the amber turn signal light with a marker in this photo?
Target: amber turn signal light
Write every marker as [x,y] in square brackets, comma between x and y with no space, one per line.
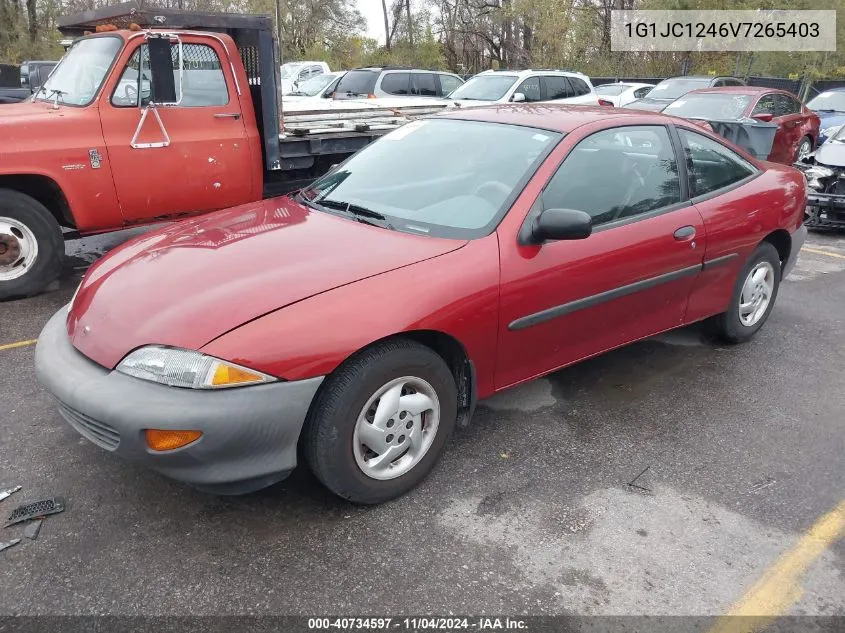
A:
[161,440]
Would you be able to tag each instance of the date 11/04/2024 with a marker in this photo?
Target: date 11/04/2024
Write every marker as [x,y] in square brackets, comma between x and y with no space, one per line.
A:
[703,30]
[418,624]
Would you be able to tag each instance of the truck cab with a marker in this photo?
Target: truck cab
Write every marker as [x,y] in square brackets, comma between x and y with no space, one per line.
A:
[155,114]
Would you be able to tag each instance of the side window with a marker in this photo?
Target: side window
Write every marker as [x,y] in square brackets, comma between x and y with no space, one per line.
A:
[531,89]
[766,105]
[203,81]
[711,165]
[640,174]
[448,83]
[396,83]
[786,105]
[579,86]
[557,87]
[639,93]
[733,82]
[423,84]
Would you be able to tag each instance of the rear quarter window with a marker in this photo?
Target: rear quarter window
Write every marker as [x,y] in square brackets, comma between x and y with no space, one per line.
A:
[710,165]
[579,86]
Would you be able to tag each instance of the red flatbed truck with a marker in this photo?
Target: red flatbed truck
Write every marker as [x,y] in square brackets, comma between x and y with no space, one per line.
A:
[86,155]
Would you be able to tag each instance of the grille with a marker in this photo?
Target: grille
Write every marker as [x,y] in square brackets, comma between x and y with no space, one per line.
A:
[98,432]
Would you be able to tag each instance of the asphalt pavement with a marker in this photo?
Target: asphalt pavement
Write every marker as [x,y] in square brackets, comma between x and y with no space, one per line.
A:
[667,477]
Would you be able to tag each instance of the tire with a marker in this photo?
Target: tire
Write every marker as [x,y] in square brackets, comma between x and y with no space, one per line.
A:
[28,231]
[804,148]
[332,434]
[730,325]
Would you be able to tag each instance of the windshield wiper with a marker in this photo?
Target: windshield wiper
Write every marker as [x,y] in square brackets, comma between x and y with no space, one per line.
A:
[362,214]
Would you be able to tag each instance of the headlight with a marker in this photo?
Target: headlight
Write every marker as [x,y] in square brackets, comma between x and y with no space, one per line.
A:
[817,171]
[830,131]
[185,368]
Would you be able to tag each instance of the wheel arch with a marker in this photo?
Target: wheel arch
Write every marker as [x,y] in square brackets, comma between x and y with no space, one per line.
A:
[453,353]
[782,242]
[43,189]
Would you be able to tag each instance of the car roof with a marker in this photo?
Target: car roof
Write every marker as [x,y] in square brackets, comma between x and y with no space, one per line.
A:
[532,71]
[557,117]
[740,90]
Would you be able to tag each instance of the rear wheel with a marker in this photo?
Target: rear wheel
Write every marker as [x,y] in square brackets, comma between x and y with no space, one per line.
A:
[31,245]
[755,291]
[381,422]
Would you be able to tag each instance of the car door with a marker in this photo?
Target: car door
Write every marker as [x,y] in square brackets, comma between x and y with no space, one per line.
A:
[564,301]
[731,213]
[207,158]
[767,104]
[530,87]
[791,119]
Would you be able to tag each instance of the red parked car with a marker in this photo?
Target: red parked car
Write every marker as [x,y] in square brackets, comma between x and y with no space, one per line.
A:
[456,257]
[797,127]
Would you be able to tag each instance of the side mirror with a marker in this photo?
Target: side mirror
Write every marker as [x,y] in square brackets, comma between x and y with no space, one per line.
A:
[161,71]
[518,97]
[561,224]
[765,117]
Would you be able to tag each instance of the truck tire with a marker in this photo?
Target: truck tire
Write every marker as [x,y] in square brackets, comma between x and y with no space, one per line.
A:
[754,295]
[31,246]
[381,421]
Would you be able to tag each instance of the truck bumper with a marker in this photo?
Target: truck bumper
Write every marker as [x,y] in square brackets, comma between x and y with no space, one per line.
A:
[249,434]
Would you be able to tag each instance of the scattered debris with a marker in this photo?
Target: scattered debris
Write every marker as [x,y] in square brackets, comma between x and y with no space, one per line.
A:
[8,492]
[505,455]
[32,529]
[765,482]
[35,510]
[9,544]
[634,485]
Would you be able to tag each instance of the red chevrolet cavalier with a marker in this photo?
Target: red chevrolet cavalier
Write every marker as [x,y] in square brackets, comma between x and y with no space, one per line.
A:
[457,256]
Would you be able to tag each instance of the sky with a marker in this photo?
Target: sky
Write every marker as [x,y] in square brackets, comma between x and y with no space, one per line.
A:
[371,10]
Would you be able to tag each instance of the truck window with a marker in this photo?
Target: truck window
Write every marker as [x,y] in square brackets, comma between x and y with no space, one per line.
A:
[203,81]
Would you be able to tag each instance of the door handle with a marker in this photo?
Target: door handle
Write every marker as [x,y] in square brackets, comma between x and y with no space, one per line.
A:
[228,115]
[685,233]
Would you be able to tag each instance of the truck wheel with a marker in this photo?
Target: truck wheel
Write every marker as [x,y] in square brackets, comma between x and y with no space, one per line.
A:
[755,291]
[31,245]
[381,422]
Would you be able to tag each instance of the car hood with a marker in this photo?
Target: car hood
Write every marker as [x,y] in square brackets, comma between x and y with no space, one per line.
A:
[191,282]
[831,154]
[653,105]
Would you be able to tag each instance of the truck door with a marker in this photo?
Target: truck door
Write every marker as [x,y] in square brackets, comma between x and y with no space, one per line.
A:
[198,158]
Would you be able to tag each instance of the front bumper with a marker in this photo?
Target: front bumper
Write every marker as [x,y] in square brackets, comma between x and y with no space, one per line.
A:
[799,236]
[249,434]
[825,210]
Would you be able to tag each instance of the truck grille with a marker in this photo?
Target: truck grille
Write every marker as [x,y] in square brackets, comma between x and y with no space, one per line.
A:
[100,433]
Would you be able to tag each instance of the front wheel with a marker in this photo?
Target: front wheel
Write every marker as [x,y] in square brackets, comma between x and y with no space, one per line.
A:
[381,422]
[754,294]
[31,245]
[804,149]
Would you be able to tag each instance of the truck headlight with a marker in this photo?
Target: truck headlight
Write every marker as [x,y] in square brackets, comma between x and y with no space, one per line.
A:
[185,368]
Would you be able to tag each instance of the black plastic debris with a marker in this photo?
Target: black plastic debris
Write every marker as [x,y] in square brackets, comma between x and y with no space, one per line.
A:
[8,544]
[32,529]
[35,510]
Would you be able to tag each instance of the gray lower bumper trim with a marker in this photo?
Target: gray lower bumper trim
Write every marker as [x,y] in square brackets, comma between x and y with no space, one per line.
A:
[249,433]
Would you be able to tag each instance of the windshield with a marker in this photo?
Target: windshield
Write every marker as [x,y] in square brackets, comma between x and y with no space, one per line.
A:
[441,177]
[833,100]
[314,85]
[80,73]
[674,88]
[485,88]
[611,90]
[290,69]
[713,106]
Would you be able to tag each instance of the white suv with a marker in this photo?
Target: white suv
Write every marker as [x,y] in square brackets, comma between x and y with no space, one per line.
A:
[503,86]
